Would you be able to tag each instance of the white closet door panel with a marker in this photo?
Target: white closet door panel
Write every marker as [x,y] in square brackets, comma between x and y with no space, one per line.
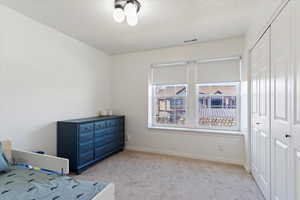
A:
[254,112]
[281,105]
[255,86]
[263,92]
[296,84]
[261,113]
[296,101]
[297,69]
[280,72]
[280,89]
[254,151]
[258,152]
[280,66]
[265,160]
[297,174]
[296,75]
[280,168]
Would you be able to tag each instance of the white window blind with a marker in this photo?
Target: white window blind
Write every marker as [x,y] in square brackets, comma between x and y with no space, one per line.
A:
[218,71]
[169,75]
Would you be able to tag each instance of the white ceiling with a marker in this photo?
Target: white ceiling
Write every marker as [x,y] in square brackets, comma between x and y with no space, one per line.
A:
[162,23]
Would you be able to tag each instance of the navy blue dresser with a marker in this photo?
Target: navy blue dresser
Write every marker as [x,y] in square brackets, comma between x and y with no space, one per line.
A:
[86,141]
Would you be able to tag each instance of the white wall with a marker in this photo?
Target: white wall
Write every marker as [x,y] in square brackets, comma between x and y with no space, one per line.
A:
[46,76]
[130,97]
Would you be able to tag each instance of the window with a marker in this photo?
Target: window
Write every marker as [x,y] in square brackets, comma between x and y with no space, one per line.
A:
[196,95]
[218,106]
[170,104]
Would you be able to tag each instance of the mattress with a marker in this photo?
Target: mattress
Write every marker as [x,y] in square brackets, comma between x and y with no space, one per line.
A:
[26,184]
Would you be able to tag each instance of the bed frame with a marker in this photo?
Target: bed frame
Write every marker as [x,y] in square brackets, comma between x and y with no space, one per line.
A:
[59,165]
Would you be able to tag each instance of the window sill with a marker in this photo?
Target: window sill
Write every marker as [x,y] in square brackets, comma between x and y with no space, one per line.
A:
[237,133]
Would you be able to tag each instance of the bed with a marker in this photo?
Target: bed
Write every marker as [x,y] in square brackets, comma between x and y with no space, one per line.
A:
[25,183]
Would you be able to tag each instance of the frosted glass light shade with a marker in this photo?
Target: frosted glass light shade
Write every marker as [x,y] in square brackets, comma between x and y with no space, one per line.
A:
[132,20]
[130,9]
[119,15]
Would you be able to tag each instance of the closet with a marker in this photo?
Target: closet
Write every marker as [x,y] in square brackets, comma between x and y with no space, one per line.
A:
[275,135]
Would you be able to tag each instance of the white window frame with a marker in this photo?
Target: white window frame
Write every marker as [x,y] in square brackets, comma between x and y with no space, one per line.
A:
[238,105]
[191,123]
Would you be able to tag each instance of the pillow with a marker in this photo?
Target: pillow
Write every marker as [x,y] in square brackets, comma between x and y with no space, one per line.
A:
[5,147]
[4,166]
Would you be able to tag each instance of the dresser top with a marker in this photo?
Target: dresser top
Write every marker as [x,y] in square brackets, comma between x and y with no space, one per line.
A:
[92,119]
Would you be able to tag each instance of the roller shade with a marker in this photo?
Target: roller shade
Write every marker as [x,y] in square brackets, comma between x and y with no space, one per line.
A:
[174,74]
[218,71]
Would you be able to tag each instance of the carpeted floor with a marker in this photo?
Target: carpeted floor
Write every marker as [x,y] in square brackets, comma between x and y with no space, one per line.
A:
[142,176]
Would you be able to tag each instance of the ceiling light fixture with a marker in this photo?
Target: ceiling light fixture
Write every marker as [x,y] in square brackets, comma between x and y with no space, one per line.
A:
[132,20]
[130,9]
[119,14]
[127,9]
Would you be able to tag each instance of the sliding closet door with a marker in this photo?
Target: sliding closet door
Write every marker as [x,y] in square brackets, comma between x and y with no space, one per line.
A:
[255,105]
[295,153]
[261,114]
[281,104]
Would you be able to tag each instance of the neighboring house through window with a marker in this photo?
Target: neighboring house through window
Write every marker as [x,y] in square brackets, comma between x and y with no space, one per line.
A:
[170,104]
[218,105]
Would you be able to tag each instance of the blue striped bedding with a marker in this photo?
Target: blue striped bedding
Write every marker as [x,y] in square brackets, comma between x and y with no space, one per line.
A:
[25,184]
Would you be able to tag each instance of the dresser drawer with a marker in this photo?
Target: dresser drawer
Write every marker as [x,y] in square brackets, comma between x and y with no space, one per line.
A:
[85,158]
[102,151]
[85,137]
[106,124]
[108,131]
[100,141]
[83,128]
[113,123]
[86,147]
[101,125]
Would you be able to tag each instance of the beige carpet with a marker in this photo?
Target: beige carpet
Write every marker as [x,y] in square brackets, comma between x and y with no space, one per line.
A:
[141,176]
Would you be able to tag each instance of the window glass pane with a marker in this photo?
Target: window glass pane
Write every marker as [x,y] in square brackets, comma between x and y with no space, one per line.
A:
[169,90]
[218,106]
[217,89]
[162,91]
[170,104]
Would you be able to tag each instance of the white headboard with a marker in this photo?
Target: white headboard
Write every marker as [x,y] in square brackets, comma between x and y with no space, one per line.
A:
[6,148]
[52,163]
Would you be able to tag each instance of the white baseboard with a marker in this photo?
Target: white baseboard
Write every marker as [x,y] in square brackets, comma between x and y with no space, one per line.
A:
[247,168]
[186,155]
